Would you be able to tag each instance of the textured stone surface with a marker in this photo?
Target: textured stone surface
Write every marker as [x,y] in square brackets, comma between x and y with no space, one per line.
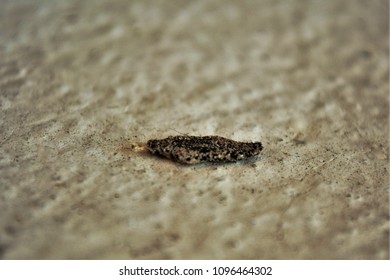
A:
[79,79]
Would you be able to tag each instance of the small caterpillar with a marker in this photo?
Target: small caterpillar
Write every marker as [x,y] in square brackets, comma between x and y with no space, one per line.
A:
[198,149]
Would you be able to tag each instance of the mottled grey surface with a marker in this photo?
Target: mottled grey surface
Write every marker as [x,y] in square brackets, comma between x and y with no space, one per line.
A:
[80,79]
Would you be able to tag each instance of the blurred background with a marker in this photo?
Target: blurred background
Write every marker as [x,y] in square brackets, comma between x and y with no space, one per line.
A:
[80,79]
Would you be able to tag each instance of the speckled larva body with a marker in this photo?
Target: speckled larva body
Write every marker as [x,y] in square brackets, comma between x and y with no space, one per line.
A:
[198,149]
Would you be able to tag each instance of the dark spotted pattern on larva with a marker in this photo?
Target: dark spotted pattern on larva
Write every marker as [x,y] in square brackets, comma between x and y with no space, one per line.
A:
[198,149]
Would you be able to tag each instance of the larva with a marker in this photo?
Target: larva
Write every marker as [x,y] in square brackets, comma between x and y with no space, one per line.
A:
[198,149]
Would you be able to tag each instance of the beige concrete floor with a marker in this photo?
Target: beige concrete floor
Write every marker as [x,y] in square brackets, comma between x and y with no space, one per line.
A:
[79,79]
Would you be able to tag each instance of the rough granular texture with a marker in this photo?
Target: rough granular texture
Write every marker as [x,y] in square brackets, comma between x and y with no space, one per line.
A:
[79,80]
[197,149]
